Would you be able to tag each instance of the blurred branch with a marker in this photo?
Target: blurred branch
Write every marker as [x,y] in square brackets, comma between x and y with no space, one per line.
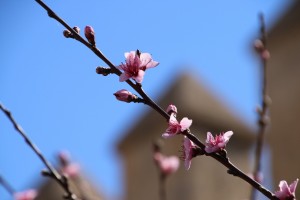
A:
[263,117]
[61,180]
[138,88]
[7,186]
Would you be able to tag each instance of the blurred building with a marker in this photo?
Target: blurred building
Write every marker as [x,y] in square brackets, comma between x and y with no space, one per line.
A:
[206,179]
[284,90]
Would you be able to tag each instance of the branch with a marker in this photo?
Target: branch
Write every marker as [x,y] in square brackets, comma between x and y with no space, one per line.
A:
[7,186]
[263,119]
[138,88]
[61,180]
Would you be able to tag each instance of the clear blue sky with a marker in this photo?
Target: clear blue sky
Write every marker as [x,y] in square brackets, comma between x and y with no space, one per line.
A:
[50,84]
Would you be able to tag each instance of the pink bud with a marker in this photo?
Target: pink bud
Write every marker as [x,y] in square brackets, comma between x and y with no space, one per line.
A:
[171,109]
[258,45]
[265,54]
[90,34]
[125,95]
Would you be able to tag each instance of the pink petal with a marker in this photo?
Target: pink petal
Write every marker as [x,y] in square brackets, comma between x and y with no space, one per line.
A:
[209,137]
[227,136]
[185,123]
[123,77]
[139,78]
[209,149]
[152,64]
[293,186]
[145,58]
[173,120]
[167,135]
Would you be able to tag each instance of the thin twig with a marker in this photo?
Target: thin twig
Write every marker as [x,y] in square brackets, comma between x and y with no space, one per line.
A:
[138,88]
[62,180]
[7,186]
[262,112]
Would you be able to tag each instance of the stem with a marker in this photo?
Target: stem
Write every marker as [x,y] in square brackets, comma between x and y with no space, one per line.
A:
[7,186]
[162,187]
[264,108]
[62,180]
[138,88]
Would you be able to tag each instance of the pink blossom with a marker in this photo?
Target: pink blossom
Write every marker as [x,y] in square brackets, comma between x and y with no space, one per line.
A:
[218,143]
[135,65]
[71,170]
[68,168]
[171,109]
[286,191]
[26,195]
[175,127]
[90,34]
[188,152]
[167,165]
[124,95]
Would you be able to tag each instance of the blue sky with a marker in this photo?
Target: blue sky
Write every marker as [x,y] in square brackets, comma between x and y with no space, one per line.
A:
[50,84]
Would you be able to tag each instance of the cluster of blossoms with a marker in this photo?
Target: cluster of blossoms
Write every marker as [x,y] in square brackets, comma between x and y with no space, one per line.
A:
[189,148]
[134,67]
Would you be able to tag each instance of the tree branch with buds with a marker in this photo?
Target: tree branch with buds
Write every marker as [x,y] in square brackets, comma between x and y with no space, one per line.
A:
[132,72]
[51,171]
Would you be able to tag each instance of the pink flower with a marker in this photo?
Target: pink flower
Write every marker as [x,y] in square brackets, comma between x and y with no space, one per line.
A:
[125,95]
[171,109]
[218,143]
[71,170]
[26,195]
[175,127]
[286,191]
[90,34]
[68,168]
[188,152]
[167,165]
[135,65]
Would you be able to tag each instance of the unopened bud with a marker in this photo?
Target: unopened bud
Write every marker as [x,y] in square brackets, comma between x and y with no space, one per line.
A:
[258,45]
[76,29]
[90,35]
[125,95]
[171,109]
[103,71]
[67,33]
[265,54]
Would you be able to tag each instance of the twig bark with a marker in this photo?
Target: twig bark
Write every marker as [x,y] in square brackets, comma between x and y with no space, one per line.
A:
[262,112]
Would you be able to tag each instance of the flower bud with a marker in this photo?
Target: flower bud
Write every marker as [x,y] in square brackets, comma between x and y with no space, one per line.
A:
[265,54]
[90,34]
[171,109]
[258,45]
[67,33]
[76,29]
[125,95]
[103,71]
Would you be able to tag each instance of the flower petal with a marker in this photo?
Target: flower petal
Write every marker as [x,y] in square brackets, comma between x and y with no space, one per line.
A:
[123,77]
[185,123]
[139,78]
[293,186]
